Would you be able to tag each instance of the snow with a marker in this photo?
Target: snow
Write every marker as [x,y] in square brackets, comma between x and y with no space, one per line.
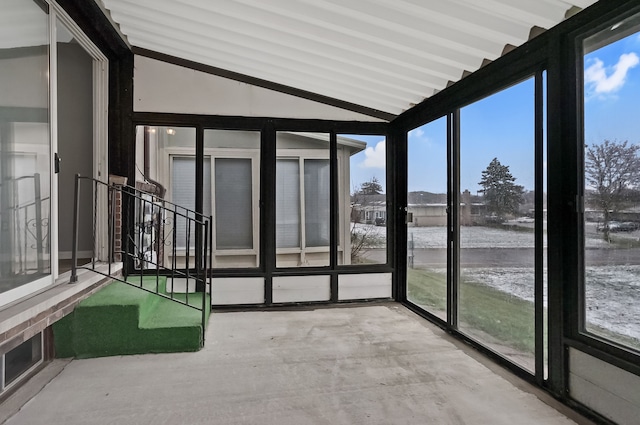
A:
[612,292]
[470,237]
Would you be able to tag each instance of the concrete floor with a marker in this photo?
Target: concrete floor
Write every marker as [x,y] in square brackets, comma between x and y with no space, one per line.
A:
[374,364]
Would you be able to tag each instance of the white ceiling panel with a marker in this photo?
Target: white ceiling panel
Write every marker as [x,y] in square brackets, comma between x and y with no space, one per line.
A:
[385,55]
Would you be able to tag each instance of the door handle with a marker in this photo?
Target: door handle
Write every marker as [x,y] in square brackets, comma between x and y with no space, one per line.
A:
[56,163]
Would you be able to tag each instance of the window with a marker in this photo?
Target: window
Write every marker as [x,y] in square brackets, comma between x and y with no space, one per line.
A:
[497,244]
[316,202]
[288,203]
[183,183]
[165,157]
[233,200]
[291,200]
[427,230]
[611,228]
[363,200]
[302,199]
[20,360]
[236,183]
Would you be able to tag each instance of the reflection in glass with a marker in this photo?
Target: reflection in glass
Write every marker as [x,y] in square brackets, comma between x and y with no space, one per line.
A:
[25,187]
[427,205]
[612,184]
[497,240]
[166,167]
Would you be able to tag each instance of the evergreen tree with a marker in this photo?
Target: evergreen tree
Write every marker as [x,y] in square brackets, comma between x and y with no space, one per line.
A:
[372,187]
[501,195]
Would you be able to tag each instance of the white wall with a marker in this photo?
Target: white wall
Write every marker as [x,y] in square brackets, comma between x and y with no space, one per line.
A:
[241,290]
[288,289]
[164,87]
[364,286]
[604,388]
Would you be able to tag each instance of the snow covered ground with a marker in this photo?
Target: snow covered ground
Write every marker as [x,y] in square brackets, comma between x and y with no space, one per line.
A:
[612,292]
[470,237]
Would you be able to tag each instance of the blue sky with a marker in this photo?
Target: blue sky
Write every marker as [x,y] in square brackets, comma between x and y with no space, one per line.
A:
[501,126]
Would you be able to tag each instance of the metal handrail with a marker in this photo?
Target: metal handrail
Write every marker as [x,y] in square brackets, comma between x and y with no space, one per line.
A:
[148,226]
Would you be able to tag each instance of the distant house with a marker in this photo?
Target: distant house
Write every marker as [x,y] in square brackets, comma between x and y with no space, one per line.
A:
[368,209]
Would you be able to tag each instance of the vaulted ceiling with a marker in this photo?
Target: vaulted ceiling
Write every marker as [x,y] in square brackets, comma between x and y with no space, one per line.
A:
[385,55]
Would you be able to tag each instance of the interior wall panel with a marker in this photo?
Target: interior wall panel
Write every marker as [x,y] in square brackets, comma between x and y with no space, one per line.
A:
[364,286]
[288,289]
[608,390]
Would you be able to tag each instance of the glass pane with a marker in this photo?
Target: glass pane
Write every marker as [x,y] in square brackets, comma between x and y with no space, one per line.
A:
[427,230]
[183,185]
[22,358]
[302,199]
[362,199]
[287,203]
[165,166]
[612,183]
[497,280]
[25,184]
[236,197]
[316,201]
[233,204]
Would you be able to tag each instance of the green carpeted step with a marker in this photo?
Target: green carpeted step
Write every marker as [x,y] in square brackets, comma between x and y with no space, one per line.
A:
[172,327]
[120,319]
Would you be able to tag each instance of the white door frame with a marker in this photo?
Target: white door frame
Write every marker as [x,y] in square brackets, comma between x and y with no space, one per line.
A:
[100,147]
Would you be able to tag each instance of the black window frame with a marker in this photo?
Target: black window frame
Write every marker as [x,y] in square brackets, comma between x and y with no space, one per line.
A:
[268,128]
[578,337]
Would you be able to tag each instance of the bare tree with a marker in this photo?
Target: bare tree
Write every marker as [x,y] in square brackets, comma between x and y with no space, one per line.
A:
[612,170]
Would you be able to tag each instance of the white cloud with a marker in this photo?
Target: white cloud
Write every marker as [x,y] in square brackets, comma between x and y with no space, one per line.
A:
[416,132]
[375,156]
[595,76]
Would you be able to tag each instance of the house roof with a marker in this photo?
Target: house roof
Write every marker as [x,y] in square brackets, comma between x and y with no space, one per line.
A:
[382,56]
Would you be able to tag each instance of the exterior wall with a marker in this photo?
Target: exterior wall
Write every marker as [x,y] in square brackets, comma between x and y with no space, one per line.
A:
[428,215]
[606,389]
[164,87]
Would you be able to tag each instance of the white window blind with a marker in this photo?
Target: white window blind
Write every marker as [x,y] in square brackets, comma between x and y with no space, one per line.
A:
[183,188]
[234,229]
[316,202]
[287,203]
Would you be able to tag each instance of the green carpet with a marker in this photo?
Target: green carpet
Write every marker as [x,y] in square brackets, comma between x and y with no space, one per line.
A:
[120,319]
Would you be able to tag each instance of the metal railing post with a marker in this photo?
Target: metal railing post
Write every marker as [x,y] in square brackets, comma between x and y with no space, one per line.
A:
[39,240]
[74,247]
